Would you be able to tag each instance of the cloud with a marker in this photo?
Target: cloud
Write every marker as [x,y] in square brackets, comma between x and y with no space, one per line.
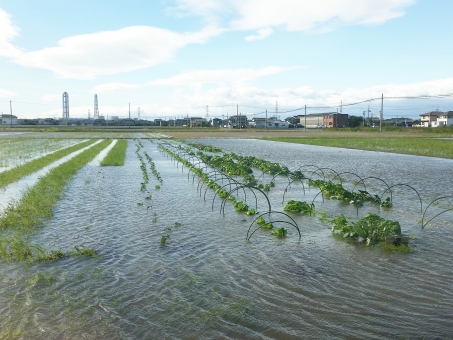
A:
[306,95]
[7,33]
[51,97]
[262,34]
[196,78]
[7,94]
[222,76]
[104,53]
[303,15]
[112,87]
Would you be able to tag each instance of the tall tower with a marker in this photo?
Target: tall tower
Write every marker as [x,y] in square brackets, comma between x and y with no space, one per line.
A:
[65,106]
[96,107]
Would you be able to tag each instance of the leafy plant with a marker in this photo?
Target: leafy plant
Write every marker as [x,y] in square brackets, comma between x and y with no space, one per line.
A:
[370,229]
[260,221]
[279,232]
[240,206]
[300,207]
[268,225]
[251,212]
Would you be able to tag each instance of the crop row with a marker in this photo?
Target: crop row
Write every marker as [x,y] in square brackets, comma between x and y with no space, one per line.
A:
[230,164]
[27,215]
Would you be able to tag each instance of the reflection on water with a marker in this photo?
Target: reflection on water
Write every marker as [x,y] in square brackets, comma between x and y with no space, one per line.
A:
[207,282]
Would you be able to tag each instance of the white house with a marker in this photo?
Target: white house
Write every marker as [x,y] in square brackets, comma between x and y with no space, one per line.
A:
[427,119]
[8,120]
[444,119]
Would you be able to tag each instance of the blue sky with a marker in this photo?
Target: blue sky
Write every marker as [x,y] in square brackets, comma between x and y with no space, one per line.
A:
[173,58]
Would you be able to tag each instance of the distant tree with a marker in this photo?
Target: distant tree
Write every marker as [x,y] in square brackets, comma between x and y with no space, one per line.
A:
[355,121]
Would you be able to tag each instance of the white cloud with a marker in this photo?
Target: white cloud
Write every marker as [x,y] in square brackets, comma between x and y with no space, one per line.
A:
[51,97]
[7,94]
[302,15]
[306,95]
[262,34]
[104,53]
[7,33]
[111,87]
[223,76]
[196,78]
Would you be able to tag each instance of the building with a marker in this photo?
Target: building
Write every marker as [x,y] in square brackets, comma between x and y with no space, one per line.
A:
[322,120]
[426,119]
[335,120]
[238,122]
[216,122]
[444,119]
[8,120]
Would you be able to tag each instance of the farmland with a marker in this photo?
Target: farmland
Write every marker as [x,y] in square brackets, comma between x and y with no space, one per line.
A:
[227,237]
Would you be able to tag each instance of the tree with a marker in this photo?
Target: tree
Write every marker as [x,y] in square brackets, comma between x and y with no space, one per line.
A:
[355,121]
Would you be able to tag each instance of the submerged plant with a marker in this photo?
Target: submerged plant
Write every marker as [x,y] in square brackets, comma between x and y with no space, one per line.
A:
[370,229]
[165,236]
[251,212]
[279,232]
[267,225]
[241,206]
[300,207]
[82,251]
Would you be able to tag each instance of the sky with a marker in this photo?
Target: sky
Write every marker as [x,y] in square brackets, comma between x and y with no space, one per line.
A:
[214,58]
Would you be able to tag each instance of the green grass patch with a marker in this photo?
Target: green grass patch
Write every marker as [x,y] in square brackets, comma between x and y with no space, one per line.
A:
[17,173]
[36,205]
[430,147]
[116,156]
[38,201]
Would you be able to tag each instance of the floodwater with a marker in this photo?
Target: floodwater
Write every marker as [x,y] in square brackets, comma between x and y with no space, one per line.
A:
[207,282]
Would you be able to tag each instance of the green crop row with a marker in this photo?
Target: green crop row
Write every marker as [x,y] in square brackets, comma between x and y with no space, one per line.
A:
[17,173]
[116,155]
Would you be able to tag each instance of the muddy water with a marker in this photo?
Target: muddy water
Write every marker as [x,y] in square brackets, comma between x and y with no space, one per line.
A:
[207,282]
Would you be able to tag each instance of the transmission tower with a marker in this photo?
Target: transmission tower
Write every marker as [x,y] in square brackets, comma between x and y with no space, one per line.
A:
[65,105]
[96,107]
[138,113]
[89,116]
[276,107]
[207,111]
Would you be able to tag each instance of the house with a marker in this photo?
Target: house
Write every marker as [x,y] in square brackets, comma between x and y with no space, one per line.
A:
[216,122]
[8,120]
[444,119]
[427,119]
[326,119]
[335,120]
[198,121]
[238,122]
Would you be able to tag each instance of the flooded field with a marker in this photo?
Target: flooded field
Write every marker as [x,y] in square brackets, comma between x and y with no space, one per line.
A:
[208,282]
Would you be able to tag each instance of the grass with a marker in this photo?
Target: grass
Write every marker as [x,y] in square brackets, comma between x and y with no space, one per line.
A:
[17,173]
[40,199]
[116,155]
[29,213]
[408,145]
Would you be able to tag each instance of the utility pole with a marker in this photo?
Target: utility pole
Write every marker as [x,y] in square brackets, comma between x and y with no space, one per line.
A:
[382,112]
[237,115]
[305,125]
[11,112]
[129,115]
[265,126]
[369,123]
